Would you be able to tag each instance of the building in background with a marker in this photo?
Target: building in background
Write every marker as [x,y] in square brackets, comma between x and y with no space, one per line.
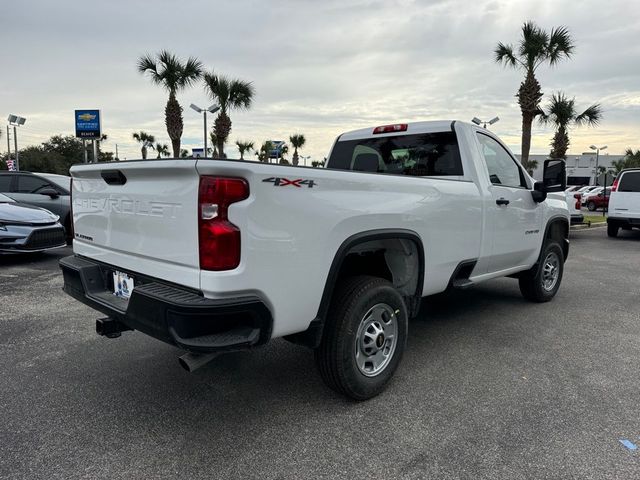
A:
[581,169]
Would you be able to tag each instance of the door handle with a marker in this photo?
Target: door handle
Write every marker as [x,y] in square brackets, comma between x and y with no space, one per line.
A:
[502,201]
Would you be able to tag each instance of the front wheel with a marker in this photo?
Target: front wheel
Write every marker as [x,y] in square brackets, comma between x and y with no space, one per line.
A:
[541,283]
[591,206]
[364,337]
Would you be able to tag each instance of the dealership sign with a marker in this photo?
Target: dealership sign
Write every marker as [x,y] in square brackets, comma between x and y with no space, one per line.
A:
[88,124]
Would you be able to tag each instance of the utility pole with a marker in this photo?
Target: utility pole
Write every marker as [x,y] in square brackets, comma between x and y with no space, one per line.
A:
[117,153]
[95,151]
[84,150]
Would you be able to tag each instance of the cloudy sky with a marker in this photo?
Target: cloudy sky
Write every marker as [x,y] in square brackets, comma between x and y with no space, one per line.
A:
[319,67]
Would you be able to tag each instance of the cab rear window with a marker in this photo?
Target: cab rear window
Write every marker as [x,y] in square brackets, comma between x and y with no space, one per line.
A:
[425,154]
[630,182]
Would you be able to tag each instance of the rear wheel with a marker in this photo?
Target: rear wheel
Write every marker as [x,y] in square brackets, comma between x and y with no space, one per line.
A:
[364,337]
[591,206]
[612,229]
[541,283]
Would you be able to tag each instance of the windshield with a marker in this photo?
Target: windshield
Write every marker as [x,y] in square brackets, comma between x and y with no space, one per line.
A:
[5,199]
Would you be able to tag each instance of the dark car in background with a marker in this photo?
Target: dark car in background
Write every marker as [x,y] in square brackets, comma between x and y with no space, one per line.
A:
[44,190]
[28,229]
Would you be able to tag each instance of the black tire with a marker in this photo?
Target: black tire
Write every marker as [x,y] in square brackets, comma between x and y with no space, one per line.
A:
[591,206]
[612,229]
[532,282]
[336,355]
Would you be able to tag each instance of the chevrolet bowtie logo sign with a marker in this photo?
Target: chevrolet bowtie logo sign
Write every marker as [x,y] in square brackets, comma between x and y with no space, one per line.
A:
[88,125]
[86,117]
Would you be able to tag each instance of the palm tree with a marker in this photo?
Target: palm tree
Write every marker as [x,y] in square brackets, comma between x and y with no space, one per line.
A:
[184,153]
[284,149]
[535,48]
[631,160]
[561,113]
[244,147]
[214,142]
[297,141]
[263,152]
[530,166]
[318,163]
[163,150]
[146,140]
[230,93]
[174,75]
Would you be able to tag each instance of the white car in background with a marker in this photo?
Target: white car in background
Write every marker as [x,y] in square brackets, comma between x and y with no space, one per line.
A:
[624,202]
[574,204]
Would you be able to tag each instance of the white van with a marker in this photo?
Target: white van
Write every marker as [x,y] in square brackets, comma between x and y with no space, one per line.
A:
[624,202]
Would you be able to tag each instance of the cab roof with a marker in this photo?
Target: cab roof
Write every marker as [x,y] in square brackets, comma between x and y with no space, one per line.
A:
[411,128]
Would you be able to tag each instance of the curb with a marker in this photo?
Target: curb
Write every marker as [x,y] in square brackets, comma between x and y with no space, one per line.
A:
[588,227]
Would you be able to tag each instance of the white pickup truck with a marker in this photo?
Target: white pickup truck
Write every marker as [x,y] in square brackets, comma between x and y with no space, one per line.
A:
[217,255]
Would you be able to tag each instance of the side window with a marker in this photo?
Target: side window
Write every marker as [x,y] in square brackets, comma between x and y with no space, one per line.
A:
[630,182]
[31,184]
[5,183]
[502,168]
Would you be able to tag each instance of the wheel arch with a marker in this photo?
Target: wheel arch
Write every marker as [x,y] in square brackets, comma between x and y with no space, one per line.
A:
[557,228]
[312,336]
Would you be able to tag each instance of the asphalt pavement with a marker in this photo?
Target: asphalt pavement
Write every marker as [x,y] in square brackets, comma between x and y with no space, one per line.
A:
[491,387]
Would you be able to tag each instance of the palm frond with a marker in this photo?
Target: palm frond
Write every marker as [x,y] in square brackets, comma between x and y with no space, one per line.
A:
[560,45]
[591,116]
[191,71]
[504,55]
[297,140]
[533,45]
[240,94]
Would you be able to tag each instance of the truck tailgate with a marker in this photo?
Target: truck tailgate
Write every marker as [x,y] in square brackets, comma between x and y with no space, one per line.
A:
[140,215]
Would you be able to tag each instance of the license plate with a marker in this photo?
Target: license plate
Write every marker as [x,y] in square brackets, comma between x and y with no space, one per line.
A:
[122,285]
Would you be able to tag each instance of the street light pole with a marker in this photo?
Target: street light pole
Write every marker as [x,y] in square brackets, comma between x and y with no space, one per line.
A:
[597,149]
[211,109]
[16,121]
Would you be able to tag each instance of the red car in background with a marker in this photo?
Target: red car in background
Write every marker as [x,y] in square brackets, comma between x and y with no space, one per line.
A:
[601,200]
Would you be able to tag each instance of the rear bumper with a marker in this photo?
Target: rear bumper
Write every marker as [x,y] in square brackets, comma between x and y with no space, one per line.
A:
[175,315]
[624,221]
[577,218]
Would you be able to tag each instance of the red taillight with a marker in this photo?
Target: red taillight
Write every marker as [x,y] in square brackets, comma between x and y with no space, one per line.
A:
[219,238]
[578,198]
[400,127]
[614,187]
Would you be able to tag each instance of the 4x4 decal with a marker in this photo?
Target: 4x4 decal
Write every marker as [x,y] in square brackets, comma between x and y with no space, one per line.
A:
[283,182]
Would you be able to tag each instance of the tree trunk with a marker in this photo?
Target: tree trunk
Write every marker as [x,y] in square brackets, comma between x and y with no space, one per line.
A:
[144,152]
[560,144]
[529,95]
[173,120]
[527,120]
[222,129]
[294,159]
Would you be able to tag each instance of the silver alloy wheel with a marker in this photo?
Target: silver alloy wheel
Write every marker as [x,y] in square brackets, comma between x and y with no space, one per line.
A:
[550,271]
[376,339]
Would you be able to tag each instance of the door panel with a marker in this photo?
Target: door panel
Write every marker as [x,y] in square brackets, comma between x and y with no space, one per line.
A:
[514,219]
